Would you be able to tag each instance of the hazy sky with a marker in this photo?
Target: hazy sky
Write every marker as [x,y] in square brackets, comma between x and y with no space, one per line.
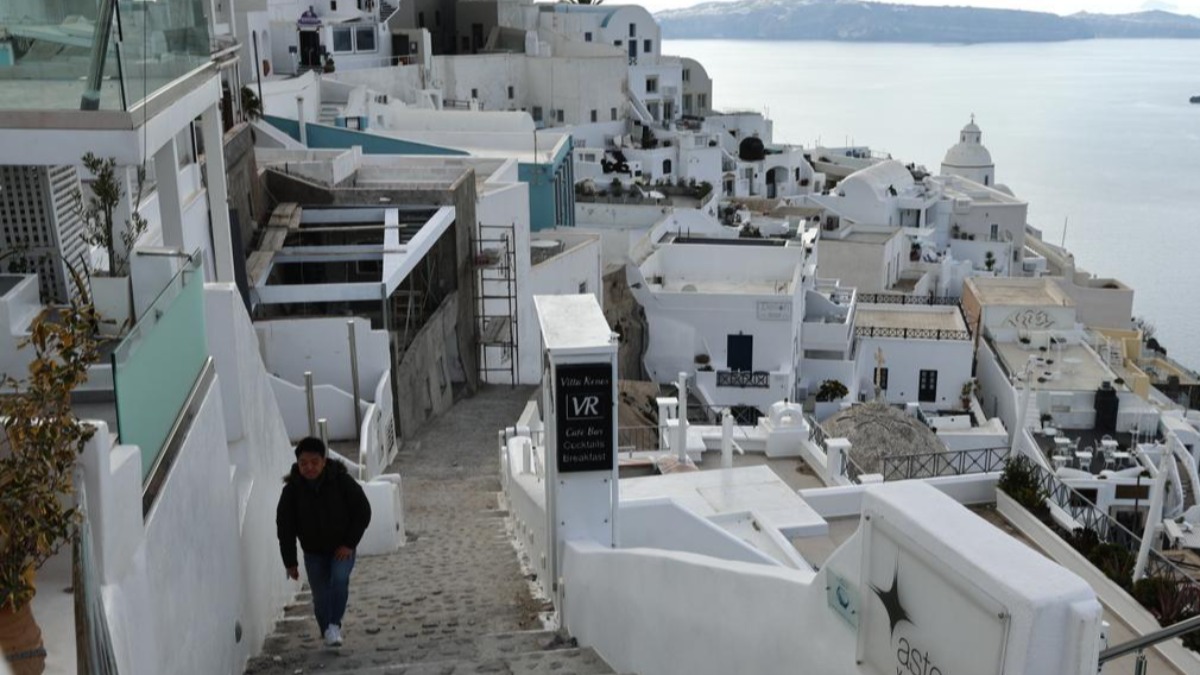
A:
[1056,6]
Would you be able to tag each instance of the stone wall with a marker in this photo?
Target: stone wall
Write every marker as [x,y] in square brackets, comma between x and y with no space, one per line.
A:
[625,316]
[422,375]
[246,196]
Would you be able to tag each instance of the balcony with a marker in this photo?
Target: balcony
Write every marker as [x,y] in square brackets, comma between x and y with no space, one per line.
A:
[96,54]
[744,379]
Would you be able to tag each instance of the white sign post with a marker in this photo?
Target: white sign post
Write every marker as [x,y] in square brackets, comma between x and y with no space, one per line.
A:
[579,410]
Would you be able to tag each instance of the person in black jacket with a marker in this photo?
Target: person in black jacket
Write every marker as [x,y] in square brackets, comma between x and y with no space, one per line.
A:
[328,511]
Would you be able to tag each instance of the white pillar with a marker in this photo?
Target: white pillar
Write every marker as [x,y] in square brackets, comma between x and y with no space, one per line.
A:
[681,432]
[218,197]
[726,440]
[170,202]
[300,118]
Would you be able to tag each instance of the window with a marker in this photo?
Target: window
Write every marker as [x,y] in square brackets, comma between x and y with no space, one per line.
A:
[687,103]
[474,93]
[633,30]
[420,19]
[583,288]
[587,37]
[614,114]
[995,232]
[560,116]
[350,39]
[343,40]
[617,43]
[595,116]
[652,84]
[985,179]
[511,93]
[333,5]
[687,75]
[648,46]
[364,39]
[702,101]
[537,113]
[883,379]
[666,166]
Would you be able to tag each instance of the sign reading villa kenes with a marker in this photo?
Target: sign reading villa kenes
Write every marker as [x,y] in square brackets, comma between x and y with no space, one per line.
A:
[922,617]
[584,402]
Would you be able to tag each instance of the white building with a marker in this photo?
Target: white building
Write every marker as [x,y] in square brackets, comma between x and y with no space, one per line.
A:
[726,311]
[40,225]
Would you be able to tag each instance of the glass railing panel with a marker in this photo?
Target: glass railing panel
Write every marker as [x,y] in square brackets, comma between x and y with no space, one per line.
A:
[161,41]
[157,364]
[49,59]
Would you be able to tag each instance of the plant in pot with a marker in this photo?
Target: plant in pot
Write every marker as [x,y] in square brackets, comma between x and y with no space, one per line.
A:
[989,261]
[43,438]
[831,390]
[110,288]
[968,389]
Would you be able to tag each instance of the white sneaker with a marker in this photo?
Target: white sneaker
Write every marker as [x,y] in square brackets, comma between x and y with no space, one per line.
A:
[333,635]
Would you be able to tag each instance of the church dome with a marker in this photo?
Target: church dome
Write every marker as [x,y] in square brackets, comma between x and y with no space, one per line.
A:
[967,155]
[970,152]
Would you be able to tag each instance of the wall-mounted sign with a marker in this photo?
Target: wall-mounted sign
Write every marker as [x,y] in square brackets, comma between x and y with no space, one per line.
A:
[843,598]
[775,310]
[584,407]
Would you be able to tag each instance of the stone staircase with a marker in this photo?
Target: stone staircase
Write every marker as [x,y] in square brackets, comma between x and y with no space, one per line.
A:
[329,113]
[454,599]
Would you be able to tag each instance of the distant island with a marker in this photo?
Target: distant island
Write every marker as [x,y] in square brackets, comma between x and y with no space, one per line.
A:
[855,21]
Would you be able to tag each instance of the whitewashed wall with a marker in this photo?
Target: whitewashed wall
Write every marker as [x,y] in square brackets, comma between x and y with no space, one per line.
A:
[904,359]
[290,347]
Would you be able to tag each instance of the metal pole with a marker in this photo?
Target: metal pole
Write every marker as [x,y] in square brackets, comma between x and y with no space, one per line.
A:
[324,426]
[312,405]
[354,380]
[726,440]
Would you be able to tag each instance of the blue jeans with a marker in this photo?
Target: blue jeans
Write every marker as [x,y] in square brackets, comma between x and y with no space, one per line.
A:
[329,580]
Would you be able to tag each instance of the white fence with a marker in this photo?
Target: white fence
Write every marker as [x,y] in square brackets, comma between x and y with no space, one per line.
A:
[377,438]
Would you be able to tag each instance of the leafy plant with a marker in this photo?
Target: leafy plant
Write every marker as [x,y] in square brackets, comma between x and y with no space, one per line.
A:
[251,104]
[617,188]
[44,439]
[99,211]
[1019,480]
[831,390]
[989,261]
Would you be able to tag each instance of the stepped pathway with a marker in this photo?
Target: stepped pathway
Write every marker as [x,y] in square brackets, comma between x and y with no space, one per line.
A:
[453,600]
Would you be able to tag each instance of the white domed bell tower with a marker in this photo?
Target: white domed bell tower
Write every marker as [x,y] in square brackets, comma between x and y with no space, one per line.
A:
[969,158]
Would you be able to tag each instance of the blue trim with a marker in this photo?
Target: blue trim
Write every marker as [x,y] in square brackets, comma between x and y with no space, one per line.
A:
[326,137]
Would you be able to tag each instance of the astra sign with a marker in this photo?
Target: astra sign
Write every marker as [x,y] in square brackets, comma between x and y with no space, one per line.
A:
[922,617]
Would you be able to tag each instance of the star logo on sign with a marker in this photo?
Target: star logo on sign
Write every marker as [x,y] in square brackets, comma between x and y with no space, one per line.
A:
[891,601]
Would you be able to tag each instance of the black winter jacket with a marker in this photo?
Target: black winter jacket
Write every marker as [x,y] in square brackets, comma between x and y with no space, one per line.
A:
[331,512]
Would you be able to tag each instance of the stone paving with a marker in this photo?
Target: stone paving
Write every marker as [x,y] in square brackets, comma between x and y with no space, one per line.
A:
[453,600]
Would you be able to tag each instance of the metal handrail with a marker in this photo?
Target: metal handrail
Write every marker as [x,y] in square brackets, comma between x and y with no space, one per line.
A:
[1138,644]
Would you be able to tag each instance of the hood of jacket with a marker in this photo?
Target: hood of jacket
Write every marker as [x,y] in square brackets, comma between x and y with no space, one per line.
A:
[333,467]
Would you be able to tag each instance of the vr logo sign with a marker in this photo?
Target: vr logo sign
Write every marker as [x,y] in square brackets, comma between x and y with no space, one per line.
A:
[584,406]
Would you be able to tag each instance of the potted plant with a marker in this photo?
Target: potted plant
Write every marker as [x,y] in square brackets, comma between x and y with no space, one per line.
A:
[38,513]
[968,389]
[329,65]
[251,105]
[829,395]
[989,261]
[110,288]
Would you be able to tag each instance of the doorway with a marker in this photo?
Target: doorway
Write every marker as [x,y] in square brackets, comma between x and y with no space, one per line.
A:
[740,352]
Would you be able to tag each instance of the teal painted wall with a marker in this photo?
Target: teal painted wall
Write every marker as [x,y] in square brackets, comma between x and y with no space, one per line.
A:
[323,137]
[551,190]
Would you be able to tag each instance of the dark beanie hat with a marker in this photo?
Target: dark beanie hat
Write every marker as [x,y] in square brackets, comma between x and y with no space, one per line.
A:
[310,444]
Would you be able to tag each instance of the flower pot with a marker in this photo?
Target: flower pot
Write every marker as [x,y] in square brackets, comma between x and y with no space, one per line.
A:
[21,641]
[114,303]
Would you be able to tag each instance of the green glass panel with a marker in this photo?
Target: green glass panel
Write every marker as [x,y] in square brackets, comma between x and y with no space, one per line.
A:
[156,365]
